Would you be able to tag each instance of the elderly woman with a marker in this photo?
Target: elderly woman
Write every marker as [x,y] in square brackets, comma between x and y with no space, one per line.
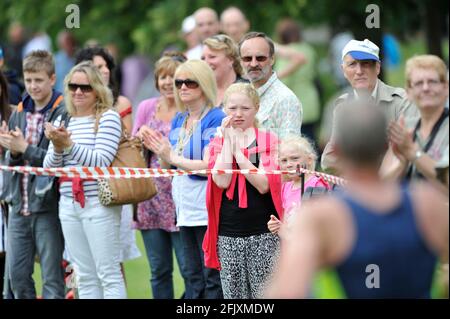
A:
[192,129]
[419,144]
[222,55]
[90,137]
[156,217]
[238,241]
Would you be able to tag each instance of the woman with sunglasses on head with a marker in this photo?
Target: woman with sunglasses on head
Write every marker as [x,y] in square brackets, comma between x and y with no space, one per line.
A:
[222,55]
[186,148]
[104,61]
[156,217]
[90,137]
[238,241]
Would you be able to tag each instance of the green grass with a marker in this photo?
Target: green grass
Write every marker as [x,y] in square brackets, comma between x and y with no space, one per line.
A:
[137,272]
[326,283]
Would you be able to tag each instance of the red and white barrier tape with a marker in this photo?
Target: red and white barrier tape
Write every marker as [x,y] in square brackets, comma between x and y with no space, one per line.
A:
[127,172]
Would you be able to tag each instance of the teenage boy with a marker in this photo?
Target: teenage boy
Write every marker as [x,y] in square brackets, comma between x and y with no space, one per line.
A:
[34,228]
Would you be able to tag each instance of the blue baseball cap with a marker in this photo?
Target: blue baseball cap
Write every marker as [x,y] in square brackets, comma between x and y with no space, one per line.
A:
[361,50]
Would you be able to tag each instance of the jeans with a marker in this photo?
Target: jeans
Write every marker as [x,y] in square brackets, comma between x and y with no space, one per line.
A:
[204,282]
[92,237]
[6,288]
[39,234]
[158,245]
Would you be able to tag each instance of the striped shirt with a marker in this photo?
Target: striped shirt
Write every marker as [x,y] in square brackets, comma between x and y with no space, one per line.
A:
[89,149]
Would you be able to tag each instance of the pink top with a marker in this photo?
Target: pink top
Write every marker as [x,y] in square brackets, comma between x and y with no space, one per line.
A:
[158,212]
[291,196]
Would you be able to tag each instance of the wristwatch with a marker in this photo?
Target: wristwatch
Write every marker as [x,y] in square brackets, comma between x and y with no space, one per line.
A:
[418,154]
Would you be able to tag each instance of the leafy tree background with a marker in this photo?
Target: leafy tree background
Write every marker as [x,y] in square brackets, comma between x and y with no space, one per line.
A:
[148,26]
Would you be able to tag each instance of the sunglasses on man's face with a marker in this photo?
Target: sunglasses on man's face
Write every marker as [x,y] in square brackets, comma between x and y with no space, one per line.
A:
[259,58]
[85,88]
[190,84]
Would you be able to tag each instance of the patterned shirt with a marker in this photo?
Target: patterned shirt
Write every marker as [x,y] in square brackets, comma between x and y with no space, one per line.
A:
[35,127]
[158,212]
[280,110]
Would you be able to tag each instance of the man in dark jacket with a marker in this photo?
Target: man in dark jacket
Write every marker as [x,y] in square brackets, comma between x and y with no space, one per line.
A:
[33,224]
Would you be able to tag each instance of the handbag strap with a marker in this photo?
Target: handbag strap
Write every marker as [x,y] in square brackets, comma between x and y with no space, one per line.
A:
[431,138]
[124,129]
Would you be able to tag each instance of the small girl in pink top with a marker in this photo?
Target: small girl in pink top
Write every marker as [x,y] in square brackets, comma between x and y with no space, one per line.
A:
[294,151]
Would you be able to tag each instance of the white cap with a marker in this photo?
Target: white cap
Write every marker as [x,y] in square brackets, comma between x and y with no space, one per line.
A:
[361,50]
[188,25]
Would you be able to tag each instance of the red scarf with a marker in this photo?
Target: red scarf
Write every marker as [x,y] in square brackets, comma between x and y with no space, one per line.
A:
[266,144]
[77,188]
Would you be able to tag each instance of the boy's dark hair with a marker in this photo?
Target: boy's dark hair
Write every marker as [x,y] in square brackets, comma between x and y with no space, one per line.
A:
[5,109]
[39,60]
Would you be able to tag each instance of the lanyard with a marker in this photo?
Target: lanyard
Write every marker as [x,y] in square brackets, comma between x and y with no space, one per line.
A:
[431,138]
[184,137]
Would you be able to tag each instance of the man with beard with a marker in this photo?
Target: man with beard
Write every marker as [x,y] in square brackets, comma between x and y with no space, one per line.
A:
[280,110]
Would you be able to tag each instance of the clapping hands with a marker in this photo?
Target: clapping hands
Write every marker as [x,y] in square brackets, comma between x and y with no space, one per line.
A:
[59,136]
[12,140]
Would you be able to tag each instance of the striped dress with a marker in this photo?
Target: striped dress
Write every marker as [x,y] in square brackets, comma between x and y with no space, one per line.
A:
[90,149]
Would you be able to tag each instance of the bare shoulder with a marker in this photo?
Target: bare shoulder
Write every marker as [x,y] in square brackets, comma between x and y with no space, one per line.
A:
[123,103]
[329,219]
[431,212]
[428,199]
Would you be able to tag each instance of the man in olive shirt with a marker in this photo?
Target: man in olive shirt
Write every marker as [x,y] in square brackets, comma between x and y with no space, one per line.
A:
[361,66]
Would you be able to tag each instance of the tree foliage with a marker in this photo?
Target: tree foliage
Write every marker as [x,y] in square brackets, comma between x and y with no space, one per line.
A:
[148,26]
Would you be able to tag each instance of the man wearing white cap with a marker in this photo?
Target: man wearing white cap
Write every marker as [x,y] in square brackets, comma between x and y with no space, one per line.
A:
[361,66]
[189,33]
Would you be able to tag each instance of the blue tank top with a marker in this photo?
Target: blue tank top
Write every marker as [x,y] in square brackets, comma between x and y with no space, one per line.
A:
[392,242]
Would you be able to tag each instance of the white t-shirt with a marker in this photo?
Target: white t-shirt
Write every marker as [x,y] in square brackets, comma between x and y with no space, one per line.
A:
[195,52]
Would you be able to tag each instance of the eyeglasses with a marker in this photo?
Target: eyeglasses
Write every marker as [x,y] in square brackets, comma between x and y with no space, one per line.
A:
[190,84]
[259,58]
[85,88]
[430,83]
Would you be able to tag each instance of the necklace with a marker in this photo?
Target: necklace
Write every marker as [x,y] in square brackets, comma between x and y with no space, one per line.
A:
[185,134]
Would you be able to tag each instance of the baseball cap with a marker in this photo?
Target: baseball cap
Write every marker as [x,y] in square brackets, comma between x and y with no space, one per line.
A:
[1,53]
[188,25]
[361,50]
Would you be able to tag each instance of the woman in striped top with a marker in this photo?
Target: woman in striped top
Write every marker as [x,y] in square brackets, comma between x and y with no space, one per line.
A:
[91,138]
[104,61]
